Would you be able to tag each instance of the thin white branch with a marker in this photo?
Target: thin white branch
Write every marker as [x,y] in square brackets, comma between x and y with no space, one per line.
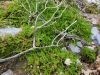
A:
[61,38]
[28,5]
[40,12]
[25,8]
[46,21]
[50,24]
[26,51]
[63,31]
[60,14]
[49,19]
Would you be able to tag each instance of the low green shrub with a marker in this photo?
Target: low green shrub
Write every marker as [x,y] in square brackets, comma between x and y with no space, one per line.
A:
[88,55]
[50,61]
[14,44]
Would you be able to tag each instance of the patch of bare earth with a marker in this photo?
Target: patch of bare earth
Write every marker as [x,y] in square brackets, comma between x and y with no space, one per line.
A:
[15,66]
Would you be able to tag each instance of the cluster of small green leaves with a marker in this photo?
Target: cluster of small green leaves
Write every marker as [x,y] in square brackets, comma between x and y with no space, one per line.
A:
[12,14]
[88,55]
[50,61]
[15,44]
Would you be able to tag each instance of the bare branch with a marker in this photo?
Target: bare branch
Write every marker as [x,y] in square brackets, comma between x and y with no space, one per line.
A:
[61,38]
[24,7]
[49,19]
[63,31]
[50,24]
[28,5]
[26,51]
[60,14]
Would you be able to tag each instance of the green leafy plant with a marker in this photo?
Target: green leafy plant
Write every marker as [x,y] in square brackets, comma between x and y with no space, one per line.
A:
[88,55]
[14,44]
[51,61]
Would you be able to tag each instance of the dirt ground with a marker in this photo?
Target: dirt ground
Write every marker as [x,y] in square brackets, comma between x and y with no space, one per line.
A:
[15,66]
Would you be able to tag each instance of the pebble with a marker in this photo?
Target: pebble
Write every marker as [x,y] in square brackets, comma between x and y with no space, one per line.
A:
[74,48]
[8,72]
[9,30]
[67,62]
[98,69]
[79,44]
[95,37]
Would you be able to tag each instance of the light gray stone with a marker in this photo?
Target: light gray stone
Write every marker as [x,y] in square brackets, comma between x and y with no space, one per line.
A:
[79,44]
[12,31]
[94,31]
[92,37]
[63,48]
[95,37]
[94,22]
[74,48]
[85,15]
[8,72]
[98,39]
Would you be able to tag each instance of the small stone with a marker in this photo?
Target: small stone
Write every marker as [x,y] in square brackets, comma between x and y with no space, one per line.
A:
[8,72]
[94,22]
[95,42]
[61,73]
[92,37]
[12,31]
[67,62]
[86,72]
[98,39]
[79,44]
[98,69]
[74,48]
[63,49]
[85,15]
[37,66]
[31,66]
[78,62]
[94,31]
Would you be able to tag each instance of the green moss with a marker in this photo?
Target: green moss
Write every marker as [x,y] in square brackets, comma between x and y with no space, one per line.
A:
[50,61]
[88,55]
[14,44]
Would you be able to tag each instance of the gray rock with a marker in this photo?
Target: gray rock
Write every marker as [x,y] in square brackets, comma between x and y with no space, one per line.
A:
[94,22]
[95,37]
[98,39]
[95,42]
[12,31]
[92,37]
[8,72]
[79,44]
[94,31]
[85,15]
[74,48]
[63,48]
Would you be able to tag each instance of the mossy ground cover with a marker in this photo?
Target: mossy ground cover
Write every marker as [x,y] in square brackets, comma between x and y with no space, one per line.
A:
[49,60]
[88,55]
